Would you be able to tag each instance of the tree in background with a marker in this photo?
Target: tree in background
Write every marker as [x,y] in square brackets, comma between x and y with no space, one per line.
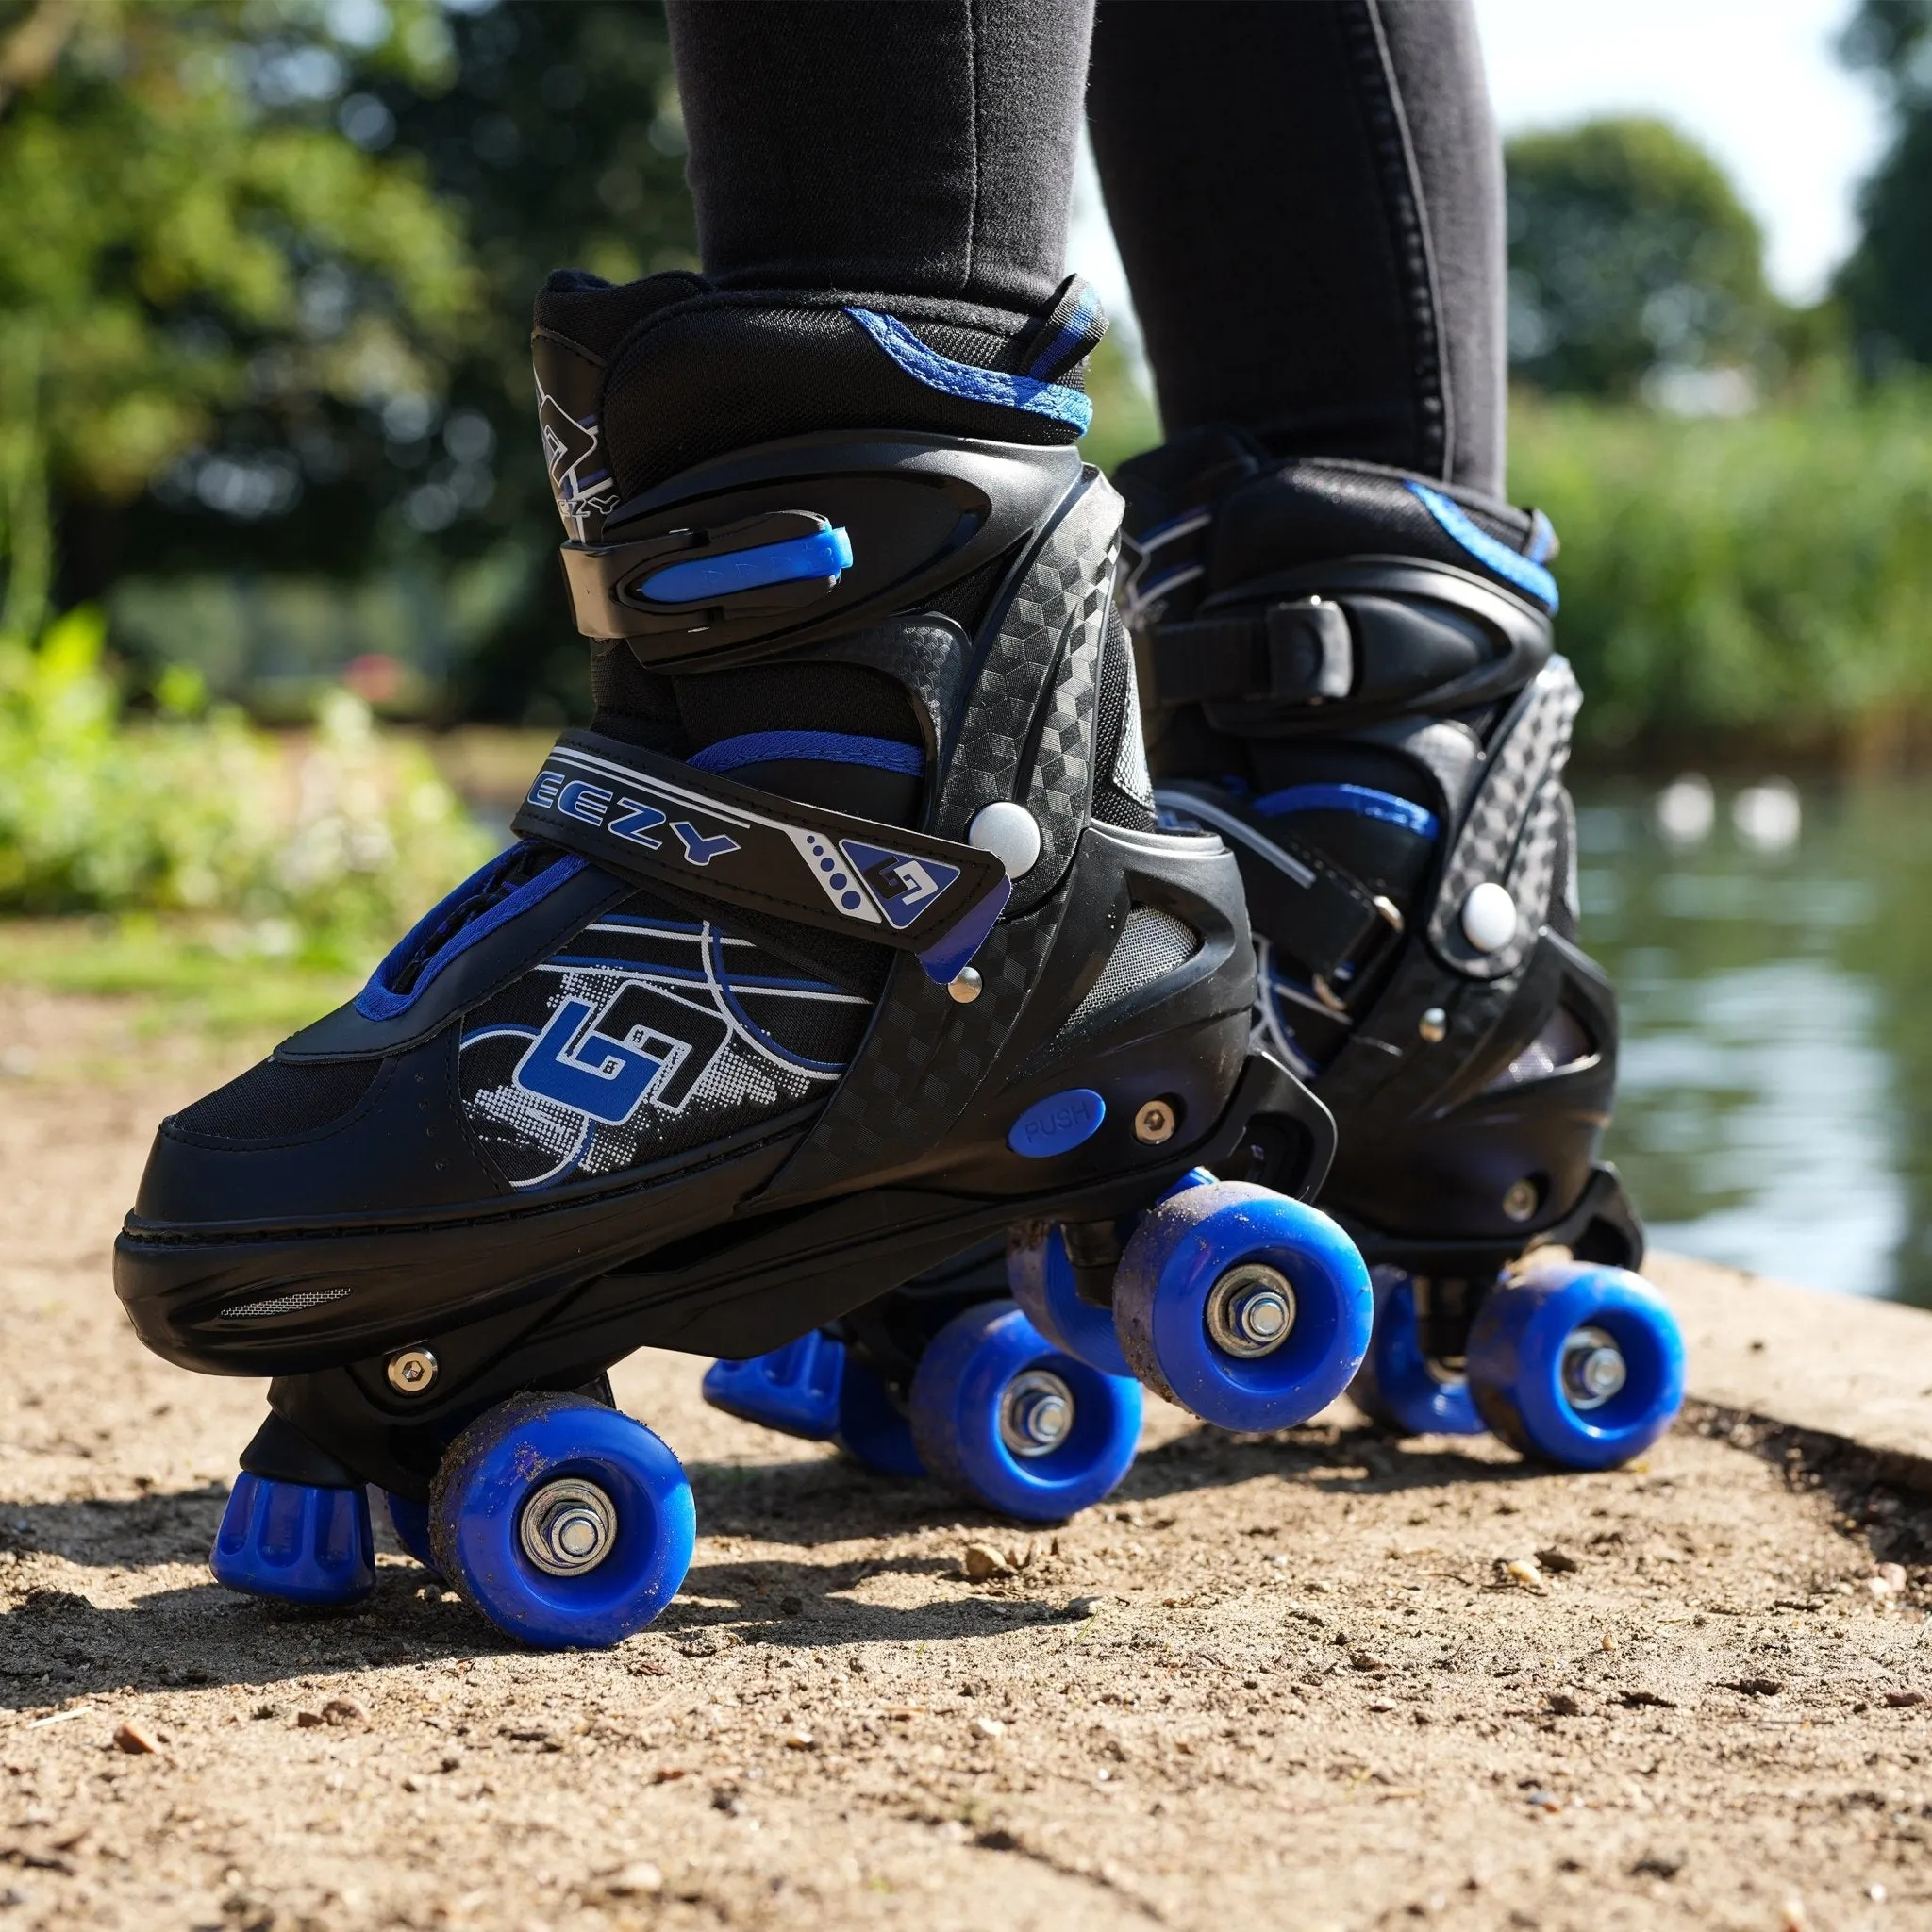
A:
[187,244]
[418,520]
[1886,284]
[1629,253]
[561,142]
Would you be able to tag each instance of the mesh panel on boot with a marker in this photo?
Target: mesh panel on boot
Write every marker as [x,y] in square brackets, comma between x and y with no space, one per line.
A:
[1122,793]
[273,1100]
[1152,943]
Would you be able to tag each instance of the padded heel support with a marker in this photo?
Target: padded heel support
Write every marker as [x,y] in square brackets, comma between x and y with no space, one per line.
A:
[298,1543]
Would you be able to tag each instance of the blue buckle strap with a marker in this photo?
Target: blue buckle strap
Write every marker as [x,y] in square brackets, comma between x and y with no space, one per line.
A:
[686,579]
[649,816]
[823,555]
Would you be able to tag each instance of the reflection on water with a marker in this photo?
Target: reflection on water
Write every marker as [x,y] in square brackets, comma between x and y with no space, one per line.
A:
[1778,1021]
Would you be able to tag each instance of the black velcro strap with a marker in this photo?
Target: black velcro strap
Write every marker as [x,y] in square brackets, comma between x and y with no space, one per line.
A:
[655,818]
[1327,923]
[1300,651]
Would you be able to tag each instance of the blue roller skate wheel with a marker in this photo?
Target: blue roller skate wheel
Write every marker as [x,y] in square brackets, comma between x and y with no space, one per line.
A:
[793,1389]
[1250,1309]
[871,1427]
[1579,1364]
[1001,1414]
[567,1524]
[1397,1385]
[410,1521]
[296,1542]
[1041,1278]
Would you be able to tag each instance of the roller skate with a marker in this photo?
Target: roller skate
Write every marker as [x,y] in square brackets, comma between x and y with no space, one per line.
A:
[844,940]
[1353,682]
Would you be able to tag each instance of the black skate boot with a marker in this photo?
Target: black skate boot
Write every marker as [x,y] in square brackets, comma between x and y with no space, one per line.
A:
[1352,681]
[824,956]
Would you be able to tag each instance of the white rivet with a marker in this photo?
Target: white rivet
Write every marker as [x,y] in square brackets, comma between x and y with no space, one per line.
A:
[965,984]
[1008,831]
[1434,1025]
[1489,917]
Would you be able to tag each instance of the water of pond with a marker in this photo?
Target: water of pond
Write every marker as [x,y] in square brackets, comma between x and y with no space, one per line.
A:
[1776,1109]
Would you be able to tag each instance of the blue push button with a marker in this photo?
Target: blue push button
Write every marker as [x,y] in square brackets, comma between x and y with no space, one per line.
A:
[1057,1124]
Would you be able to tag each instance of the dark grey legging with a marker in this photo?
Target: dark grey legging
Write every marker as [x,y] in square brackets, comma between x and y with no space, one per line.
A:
[1307,193]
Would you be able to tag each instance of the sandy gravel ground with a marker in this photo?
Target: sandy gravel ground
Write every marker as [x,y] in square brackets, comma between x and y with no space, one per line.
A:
[1279,1682]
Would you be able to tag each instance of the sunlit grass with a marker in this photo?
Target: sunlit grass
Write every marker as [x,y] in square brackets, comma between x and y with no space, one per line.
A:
[220,979]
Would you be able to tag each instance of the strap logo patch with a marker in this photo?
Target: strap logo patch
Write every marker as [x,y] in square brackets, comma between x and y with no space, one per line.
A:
[649,816]
[902,885]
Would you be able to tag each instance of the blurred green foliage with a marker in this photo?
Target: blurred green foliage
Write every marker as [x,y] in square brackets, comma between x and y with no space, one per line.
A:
[545,135]
[1765,579]
[179,220]
[1125,418]
[1886,284]
[320,848]
[1629,252]
[263,270]
[560,140]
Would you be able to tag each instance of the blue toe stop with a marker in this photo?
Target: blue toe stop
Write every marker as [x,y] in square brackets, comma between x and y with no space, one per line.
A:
[793,1389]
[299,1542]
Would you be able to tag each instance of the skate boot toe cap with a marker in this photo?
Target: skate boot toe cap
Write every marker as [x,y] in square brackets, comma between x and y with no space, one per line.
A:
[398,1147]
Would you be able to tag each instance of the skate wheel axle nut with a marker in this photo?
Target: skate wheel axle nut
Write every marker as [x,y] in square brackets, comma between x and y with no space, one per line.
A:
[1156,1121]
[1251,1312]
[1594,1368]
[1036,1414]
[1489,917]
[411,1370]
[568,1528]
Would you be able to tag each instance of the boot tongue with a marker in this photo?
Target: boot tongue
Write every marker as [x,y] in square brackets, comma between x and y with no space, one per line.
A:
[1194,471]
[580,319]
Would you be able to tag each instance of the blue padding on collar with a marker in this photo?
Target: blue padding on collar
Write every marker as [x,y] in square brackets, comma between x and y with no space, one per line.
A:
[824,554]
[820,747]
[1051,399]
[1358,799]
[1509,564]
[376,1000]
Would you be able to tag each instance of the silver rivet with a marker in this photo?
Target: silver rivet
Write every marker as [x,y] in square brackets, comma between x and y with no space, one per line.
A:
[1036,1414]
[1250,1311]
[1520,1199]
[1489,917]
[1156,1122]
[1434,1025]
[411,1372]
[1009,832]
[568,1528]
[1594,1368]
[965,984]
